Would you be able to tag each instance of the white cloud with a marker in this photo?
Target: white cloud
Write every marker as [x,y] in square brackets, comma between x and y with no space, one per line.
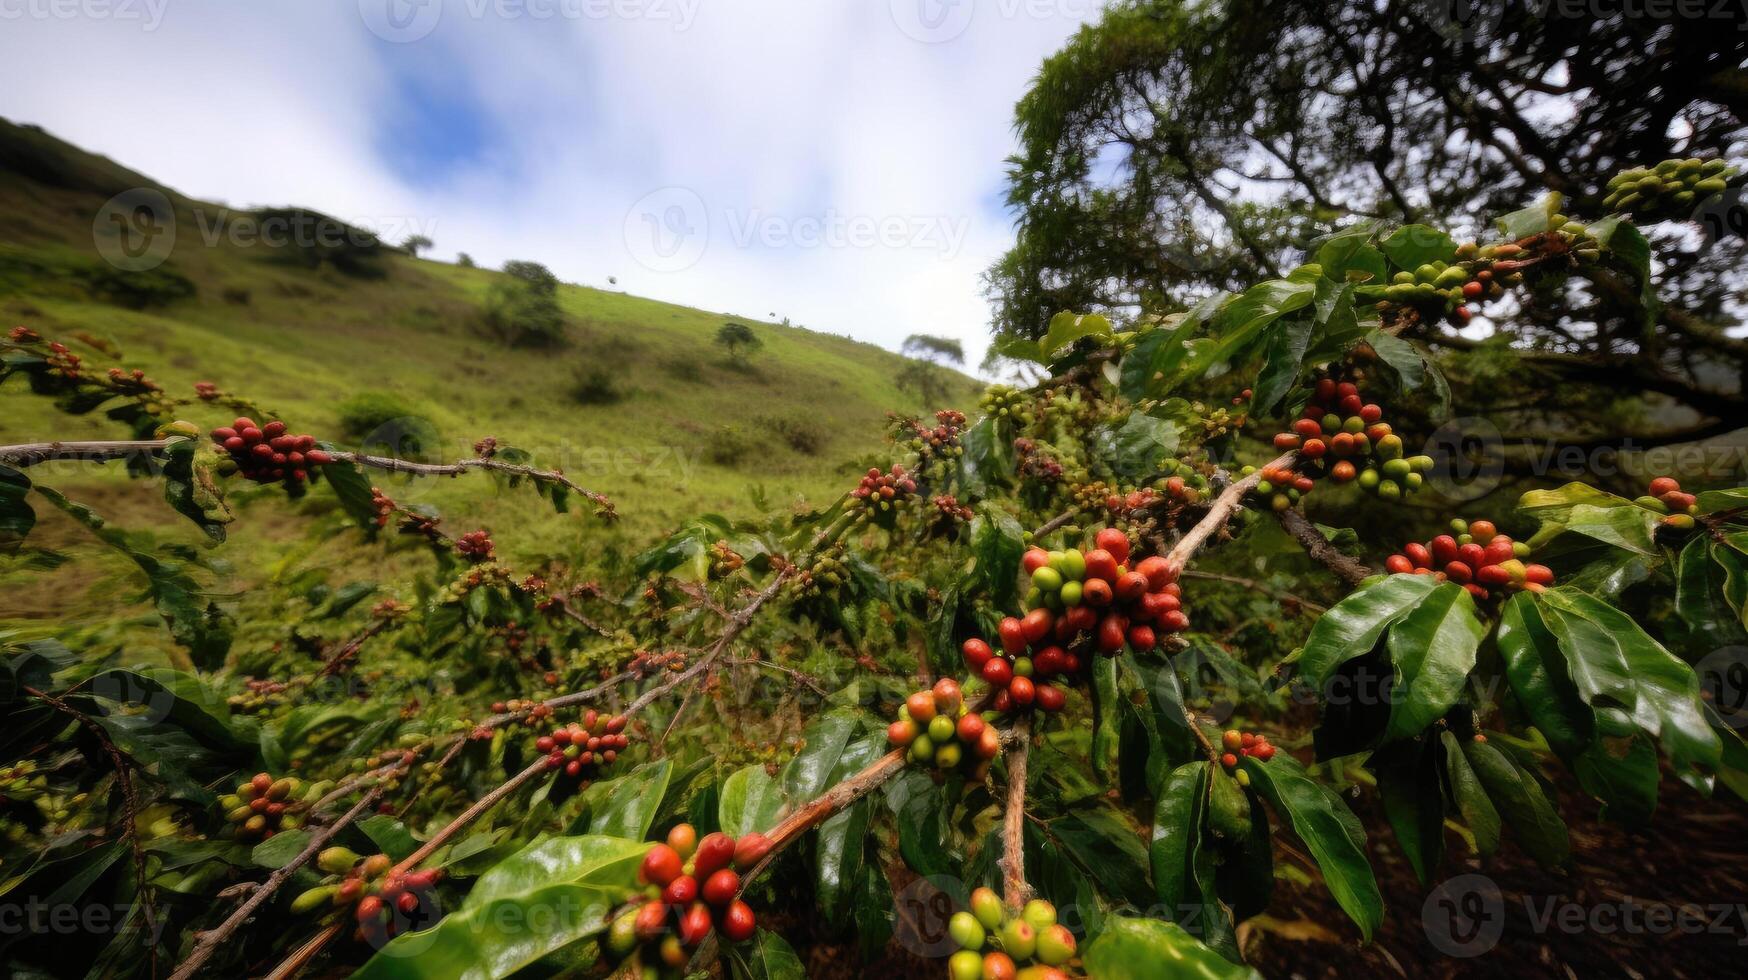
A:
[800,113]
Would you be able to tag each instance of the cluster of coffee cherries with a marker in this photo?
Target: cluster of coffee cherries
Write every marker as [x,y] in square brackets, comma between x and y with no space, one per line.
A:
[644,663]
[257,696]
[698,883]
[724,560]
[1439,287]
[475,546]
[1122,605]
[384,903]
[994,945]
[939,729]
[1477,557]
[938,441]
[580,749]
[383,505]
[533,714]
[263,806]
[1670,189]
[1342,436]
[1237,743]
[825,576]
[950,509]
[1036,463]
[883,491]
[1665,496]
[1006,402]
[267,453]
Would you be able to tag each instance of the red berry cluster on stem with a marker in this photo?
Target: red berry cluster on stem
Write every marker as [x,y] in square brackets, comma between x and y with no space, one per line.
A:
[698,883]
[580,749]
[1079,604]
[1237,743]
[475,546]
[1342,436]
[267,453]
[938,728]
[884,490]
[1665,496]
[1477,557]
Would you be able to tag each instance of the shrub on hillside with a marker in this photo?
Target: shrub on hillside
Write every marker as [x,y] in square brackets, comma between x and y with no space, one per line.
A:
[384,424]
[137,290]
[311,239]
[596,386]
[521,307]
[798,433]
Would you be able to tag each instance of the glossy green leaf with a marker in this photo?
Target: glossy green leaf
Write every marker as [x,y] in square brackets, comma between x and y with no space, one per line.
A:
[16,515]
[278,851]
[1327,827]
[1354,625]
[1107,722]
[751,800]
[1433,651]
[1517,796]
[1539,678]
[808,774]
[1613,660]
[1473,804]
[1412,794]
[1066,328]
[1623,776]
[1282,358]
[497,938]
[1176,827]
[997,542]
[1735,585]
[1412,246]
[766,956]
[1703,620]
[1630,527]
[1555,506]
[1148,949]
[588,859]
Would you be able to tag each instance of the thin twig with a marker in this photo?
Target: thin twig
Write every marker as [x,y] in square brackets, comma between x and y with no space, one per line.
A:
[348,650]
[1349,569]
[469,815]
[1220,510]
[130,806]
[1013,825]
[393,465]
[213,938]
[1250,583]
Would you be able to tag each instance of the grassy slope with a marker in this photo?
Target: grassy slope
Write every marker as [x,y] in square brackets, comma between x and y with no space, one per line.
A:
[304,341]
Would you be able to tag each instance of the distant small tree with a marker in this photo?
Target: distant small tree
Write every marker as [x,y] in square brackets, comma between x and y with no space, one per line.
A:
[739,340]
[416,244]
[934,348]
[924,380]
[522,309]
[464,260]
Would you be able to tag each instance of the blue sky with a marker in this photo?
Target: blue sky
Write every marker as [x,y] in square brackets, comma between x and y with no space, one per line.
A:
[838,162]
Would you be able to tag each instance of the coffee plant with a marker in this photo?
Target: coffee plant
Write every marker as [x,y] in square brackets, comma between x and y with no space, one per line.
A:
[1006,666]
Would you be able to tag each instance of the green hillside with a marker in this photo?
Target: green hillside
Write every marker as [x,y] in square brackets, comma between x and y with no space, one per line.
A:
[686,430]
